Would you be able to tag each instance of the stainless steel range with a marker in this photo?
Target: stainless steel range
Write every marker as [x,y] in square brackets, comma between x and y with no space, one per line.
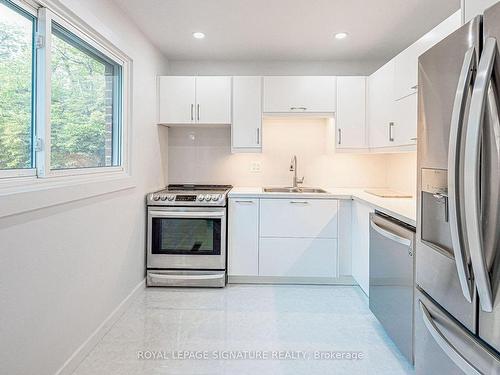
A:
[186,240]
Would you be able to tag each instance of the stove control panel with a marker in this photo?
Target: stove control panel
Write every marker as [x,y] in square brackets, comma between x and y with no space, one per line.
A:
[165,198]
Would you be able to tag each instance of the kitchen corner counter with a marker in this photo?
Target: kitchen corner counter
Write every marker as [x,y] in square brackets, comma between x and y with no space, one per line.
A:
[403,209]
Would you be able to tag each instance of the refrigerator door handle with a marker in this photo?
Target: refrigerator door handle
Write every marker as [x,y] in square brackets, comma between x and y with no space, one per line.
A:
[454,175]
[472,175]
[445,344]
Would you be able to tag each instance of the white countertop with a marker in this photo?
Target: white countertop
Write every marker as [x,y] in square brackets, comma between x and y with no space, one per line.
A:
[403,209]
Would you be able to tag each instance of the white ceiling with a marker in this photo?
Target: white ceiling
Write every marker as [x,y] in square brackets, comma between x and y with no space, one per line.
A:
[286,30]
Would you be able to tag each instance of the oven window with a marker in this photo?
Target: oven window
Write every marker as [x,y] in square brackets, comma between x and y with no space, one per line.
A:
[186,236]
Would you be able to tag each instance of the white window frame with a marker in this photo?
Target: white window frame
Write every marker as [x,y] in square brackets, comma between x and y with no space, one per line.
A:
[29,8]
[45,12]
[46,17]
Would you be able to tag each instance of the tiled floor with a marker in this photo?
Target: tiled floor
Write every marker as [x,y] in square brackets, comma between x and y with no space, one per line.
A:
[239,318]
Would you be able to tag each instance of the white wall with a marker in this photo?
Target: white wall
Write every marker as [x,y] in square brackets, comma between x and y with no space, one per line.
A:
[273,67]
[402,172]
[198,155]
[64,269]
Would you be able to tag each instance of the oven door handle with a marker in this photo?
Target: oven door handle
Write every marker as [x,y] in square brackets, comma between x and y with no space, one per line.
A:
[183,215]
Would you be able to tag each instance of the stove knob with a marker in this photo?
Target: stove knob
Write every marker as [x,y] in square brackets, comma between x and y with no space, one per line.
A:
[156,197]
[171,197]
[201,197]
[163,197]
[208,197]
[216,197]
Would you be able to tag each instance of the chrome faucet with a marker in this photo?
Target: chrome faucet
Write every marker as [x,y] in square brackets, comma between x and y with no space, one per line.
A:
[293,168]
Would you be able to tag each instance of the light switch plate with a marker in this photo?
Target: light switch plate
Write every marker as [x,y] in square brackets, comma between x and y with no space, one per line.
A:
[255,167]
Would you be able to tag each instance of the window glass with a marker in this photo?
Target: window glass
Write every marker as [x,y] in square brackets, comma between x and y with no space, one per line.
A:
[85,104]
[16,87]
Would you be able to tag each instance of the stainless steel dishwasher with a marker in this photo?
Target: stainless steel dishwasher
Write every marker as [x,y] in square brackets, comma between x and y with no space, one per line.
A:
[392,275]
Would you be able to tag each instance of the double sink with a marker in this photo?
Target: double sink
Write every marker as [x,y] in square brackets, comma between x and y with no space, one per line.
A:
[294,190]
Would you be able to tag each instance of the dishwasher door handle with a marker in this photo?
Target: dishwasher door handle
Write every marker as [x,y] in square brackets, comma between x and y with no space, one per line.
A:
[392,236]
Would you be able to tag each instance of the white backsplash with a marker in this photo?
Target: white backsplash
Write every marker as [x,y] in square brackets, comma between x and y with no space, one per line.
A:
[203,155]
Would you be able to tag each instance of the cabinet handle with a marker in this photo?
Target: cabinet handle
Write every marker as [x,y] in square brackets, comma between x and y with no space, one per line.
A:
[258,136]
[413,139]
[391,137]
[244,202]
[414,87]
[198,112]
[299,202]
[340,136]
[192,112]
[295,108]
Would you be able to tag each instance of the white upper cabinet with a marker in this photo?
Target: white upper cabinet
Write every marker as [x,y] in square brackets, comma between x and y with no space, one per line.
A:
[177,100]
[194,100]
[246,131]
[381,106]
[299,94]
[405,124]
[406,63]
[350,116]
[213,100]
[474,7]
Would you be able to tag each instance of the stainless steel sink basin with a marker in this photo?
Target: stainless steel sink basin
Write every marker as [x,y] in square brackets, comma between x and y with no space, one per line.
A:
[294,190]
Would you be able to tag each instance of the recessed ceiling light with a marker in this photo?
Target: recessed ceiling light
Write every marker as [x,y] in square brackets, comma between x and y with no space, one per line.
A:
[198,35]
[341,35]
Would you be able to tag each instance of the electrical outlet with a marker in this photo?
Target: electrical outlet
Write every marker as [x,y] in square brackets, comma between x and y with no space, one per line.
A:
[255,167]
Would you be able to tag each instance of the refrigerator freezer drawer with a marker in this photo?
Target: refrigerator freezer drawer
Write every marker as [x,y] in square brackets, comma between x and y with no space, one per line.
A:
[444,346]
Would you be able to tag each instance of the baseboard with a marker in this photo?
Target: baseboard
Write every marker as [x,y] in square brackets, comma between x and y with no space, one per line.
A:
[342,280]
[83,350]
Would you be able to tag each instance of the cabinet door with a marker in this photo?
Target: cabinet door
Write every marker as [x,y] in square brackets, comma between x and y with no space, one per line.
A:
[292,218]
[176,100]
[406,63]
[473,8]
[361,244]
[299,94]
[405,125]
[247,113]
[381,105]
[243,237]
[298,257]
[350,116]
[213,100]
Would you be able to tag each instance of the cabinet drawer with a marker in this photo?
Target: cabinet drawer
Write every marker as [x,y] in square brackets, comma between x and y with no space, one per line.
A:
[298,257]
[298,218]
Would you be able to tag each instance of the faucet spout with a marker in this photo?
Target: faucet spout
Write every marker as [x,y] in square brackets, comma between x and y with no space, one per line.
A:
[293,168]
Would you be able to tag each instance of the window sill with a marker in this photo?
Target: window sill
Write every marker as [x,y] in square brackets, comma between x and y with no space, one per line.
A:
[28,194]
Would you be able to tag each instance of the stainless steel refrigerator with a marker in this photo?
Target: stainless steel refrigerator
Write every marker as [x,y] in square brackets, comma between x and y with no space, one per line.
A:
[457,317]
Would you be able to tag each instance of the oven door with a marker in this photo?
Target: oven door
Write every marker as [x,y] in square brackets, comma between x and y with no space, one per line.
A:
[186,238]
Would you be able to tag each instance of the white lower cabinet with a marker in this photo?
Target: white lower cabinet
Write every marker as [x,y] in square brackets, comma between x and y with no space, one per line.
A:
[287,238]
[361,244]
[298,218]
[243,237]
[298,257]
